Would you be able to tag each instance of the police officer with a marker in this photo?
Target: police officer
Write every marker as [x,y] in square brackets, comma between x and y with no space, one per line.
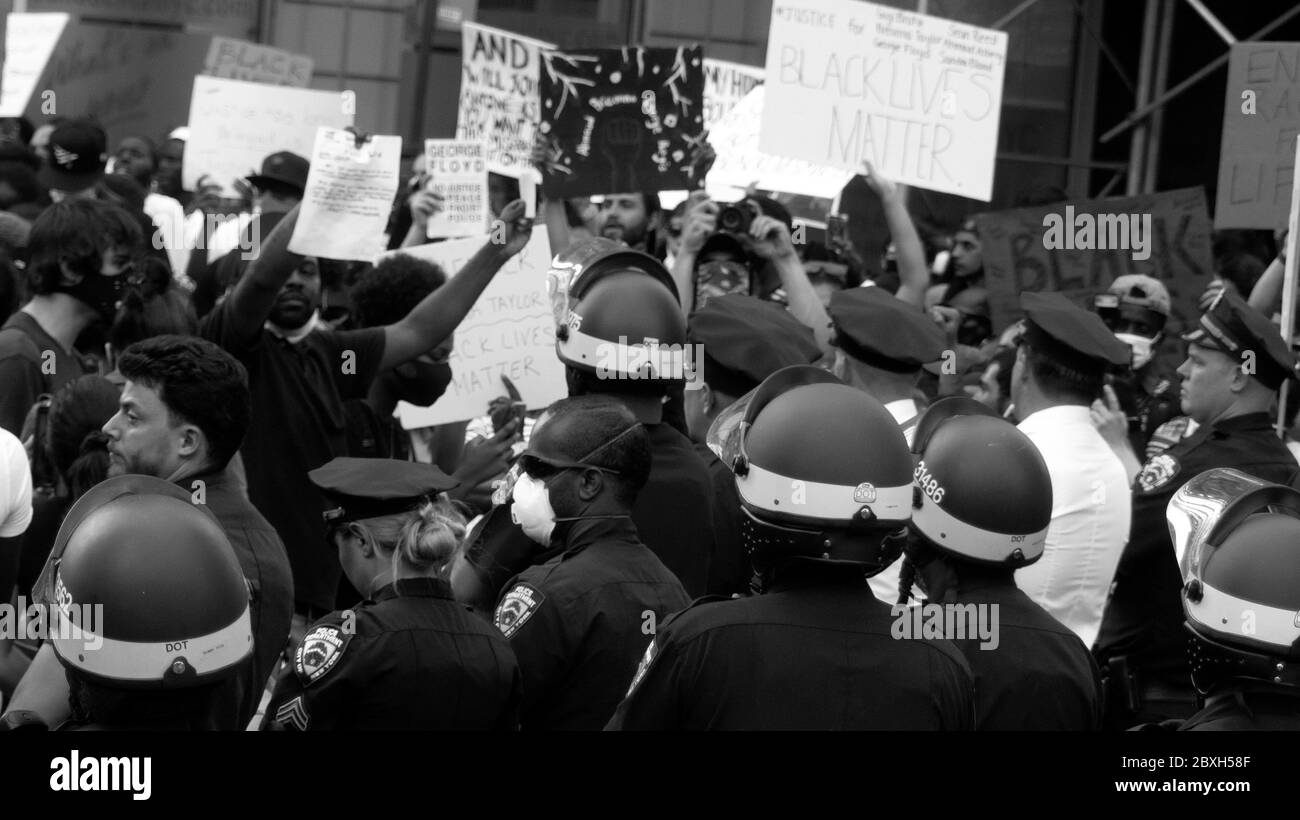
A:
[619,332]
[881,345]
[1236,361]
[742,340]
[1136,309]
[825,504]
[410,657]
[577,622]
[150,613]
[982,508]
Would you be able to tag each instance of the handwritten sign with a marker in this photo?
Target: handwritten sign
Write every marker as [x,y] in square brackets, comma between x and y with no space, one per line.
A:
[349,194]
[499,99]
[458,172]
[726,84]
[740,161]
[622,120]
[918,96]
[1257,157]
[510,331]
[1016,257]
[234,125]
[30,40]
[242,60]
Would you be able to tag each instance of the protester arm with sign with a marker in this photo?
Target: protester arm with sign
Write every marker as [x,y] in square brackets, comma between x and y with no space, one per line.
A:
[438,314]
[913,274]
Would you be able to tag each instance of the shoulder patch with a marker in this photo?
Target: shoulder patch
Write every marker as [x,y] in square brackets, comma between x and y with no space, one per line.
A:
[1158,472]
[293,713]
[516,608]
[646,660]
[319,652]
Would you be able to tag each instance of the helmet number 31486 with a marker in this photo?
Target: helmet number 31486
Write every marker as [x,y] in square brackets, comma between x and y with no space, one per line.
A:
[928,484]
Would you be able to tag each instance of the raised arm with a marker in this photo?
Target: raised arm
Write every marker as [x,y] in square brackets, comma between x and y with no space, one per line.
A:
[699,222]
[272,265]
[770,239]
[913,274]
[438,314]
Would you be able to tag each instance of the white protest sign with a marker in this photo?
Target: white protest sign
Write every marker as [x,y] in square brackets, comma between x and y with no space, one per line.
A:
[242,60]
[918,96]
[510,331]
[740,162]
[234,125]
[349,195]
[457,171]
[30,40]
[726,84]
[498,94]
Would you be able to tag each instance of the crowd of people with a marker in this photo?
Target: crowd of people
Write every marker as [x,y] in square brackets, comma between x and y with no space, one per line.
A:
[792,529]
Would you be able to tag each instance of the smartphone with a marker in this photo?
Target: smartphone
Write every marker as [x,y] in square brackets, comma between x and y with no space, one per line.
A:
[837,230]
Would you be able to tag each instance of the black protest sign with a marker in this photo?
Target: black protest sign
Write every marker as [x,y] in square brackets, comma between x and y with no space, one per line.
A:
[622,120]
[1079,248]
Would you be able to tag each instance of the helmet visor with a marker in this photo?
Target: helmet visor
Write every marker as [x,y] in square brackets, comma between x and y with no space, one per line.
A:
[726,435]
[1196,509]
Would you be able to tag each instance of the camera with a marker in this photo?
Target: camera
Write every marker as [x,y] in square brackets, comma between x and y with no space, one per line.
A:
[737,217]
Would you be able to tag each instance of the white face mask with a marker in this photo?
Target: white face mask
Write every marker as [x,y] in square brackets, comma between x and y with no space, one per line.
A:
[532,509]
[1142,348]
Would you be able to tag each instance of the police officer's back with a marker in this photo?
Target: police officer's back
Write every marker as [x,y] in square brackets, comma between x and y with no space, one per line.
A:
[578,621]
[824,506]
[410,657]
[982,510]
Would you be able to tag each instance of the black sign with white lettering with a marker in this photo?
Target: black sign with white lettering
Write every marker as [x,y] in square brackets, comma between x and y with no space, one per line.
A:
[622,120]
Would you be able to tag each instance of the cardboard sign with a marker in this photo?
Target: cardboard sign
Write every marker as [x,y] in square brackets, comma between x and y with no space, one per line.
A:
[510,331]
[458,172]
[242,60]
[30,40]
[622,120]
[740,161]
[349,194]
[1257,160]
[726,84]
[1178,250]
[918,96]
[234,125]
[499,99]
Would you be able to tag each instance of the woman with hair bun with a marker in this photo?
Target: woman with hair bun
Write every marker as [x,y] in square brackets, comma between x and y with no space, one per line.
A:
[410,657]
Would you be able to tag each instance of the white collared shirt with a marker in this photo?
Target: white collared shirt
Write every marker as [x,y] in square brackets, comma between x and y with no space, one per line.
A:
[1091,511]
[885,583]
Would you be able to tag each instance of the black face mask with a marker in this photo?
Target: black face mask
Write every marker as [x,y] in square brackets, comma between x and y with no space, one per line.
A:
[99,292]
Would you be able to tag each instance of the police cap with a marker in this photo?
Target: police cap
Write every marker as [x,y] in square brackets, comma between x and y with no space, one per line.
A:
[1233,327]
[360,488]
[879,329]
[744,340]
[1063,331]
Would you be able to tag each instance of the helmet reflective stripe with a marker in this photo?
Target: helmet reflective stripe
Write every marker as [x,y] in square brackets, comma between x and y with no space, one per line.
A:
[139,662]
[954,535]
[1219,613]
[667,361]
[833,503]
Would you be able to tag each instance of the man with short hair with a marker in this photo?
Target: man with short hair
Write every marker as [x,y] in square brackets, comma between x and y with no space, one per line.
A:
[78,156]
[81,252]
[1236,362]
[630,219]
[1059,370]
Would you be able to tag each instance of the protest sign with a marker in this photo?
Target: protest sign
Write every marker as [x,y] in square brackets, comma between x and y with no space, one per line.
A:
[740,161]
[349,194]
[458,172]
[918,96]
[30,40]
[1170,240]
[254,63]
[726,84]
[622,120]
[499,95]
[1260,122]
[510,331]
[234,125]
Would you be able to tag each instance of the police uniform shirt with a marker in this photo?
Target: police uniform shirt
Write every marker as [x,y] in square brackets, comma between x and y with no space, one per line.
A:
[1039,676]
[1144,616]
[579,622]
[1247,708]
[1091,518]
[411,659]
[298,424]
[729,569]
[672,512]
[808,654]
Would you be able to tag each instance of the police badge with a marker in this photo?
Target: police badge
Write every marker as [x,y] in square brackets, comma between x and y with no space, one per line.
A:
[319,652]
[1158,472]
[516,608]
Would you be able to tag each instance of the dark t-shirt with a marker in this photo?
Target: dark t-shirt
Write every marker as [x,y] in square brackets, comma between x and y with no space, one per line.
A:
[24,374]
[298,424]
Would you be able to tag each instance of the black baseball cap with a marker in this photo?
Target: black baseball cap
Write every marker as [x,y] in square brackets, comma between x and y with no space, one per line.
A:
[284,167]
[78,154]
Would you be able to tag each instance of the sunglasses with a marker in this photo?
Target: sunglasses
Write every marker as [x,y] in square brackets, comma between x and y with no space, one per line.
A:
[543,468]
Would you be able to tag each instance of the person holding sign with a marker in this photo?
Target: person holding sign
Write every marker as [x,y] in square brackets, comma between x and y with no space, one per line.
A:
[300,375]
